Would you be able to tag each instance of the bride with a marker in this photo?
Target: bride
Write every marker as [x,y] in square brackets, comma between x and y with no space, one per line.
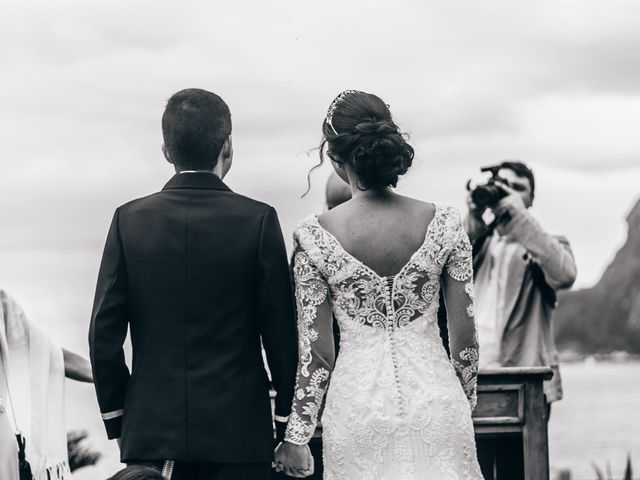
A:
[397,406]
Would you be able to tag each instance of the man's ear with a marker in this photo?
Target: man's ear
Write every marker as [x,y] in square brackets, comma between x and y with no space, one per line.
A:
[529,202]
[225,158]
[227,148]
[165,152]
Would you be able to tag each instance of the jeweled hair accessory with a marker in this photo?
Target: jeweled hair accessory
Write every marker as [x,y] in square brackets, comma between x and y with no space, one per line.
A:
[333,106]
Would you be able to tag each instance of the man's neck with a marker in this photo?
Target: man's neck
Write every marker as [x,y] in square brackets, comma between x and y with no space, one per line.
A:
[196,171]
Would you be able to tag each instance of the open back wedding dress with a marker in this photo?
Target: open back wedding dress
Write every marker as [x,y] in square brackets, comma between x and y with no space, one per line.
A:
[397,406]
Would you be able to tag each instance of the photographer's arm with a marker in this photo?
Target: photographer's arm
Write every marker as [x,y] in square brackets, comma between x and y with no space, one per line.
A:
[553,254]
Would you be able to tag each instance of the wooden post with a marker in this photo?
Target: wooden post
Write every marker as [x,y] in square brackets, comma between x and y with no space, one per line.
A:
[511,404]
[534,433]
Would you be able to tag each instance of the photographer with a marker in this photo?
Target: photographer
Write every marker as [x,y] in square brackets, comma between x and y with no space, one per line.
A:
[518,269]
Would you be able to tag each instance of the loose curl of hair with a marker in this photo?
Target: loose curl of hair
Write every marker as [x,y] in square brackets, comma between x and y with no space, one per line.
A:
[366,138]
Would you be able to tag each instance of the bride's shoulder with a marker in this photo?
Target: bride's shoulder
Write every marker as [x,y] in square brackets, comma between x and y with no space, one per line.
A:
[307,222]
[450,217]
[443,215]
[450,211]
[338,214]
[305,230]
[418,207]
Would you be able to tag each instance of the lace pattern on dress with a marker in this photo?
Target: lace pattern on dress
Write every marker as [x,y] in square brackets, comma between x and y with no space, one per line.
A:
[460,268]
[330,280]
[310,291]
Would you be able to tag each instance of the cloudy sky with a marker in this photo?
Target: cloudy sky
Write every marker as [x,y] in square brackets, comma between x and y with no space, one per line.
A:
[555,83]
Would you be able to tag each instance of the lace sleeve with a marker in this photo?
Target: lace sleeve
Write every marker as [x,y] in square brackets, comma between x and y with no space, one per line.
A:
[316,348]
[458,295]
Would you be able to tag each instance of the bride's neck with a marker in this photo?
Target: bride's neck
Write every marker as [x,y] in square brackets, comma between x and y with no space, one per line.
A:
[371,194]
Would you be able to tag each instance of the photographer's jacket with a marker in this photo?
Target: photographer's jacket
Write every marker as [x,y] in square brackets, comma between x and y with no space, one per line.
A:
[525,267]
[199,275]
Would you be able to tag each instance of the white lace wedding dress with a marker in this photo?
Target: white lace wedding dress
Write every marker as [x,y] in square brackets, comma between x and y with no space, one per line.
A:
[397,407]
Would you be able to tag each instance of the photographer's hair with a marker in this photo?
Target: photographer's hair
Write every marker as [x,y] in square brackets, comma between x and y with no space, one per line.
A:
[360,131]
[521,170]
[195,125]
[137,472]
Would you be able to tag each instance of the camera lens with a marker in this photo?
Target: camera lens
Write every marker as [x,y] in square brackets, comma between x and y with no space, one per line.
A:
[486,196]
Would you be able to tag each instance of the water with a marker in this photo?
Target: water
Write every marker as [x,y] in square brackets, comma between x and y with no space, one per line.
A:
[598,421]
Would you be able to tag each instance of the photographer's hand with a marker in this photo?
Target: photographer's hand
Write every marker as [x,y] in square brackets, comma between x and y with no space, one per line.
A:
[473,222]
[508,208]
[474,210]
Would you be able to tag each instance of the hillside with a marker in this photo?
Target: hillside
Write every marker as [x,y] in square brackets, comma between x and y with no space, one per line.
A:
[606,317]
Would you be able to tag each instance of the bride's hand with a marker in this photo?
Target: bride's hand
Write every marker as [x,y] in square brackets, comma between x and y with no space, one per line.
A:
[294,460]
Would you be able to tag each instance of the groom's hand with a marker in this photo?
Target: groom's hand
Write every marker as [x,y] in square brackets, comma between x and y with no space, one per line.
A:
[294,460]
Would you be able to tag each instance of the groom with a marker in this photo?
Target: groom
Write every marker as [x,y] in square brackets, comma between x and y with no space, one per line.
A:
[199,275]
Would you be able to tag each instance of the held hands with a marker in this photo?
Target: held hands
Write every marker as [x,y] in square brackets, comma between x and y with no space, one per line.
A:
[294,460]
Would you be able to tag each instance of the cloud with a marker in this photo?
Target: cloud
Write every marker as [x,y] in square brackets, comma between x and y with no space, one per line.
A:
[84,87]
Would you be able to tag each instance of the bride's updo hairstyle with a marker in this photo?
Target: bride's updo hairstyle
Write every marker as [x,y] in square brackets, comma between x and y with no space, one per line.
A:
[359,130]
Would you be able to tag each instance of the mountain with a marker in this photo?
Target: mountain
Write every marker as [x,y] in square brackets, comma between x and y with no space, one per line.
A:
[606,317]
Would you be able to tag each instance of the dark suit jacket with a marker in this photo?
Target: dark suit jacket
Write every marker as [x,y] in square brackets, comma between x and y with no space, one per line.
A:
[199,274]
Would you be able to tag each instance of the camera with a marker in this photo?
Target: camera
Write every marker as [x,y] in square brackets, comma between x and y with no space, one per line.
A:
[488,195]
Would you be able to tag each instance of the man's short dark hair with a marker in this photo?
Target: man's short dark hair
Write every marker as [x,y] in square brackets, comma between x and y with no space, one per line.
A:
[521,170]
[137,472]
[195,125]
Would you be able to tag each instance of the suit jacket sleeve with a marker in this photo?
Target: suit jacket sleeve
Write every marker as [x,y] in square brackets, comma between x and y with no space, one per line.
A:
[108,331]
[276,313]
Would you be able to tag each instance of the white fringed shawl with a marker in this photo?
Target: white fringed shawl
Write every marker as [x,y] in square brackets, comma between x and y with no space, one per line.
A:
[35,370]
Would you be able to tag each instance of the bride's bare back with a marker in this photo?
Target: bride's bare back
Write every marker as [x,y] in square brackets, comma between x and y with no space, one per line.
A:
[383,232]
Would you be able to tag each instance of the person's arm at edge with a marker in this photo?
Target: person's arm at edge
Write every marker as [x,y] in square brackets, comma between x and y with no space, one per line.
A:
[77,367]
